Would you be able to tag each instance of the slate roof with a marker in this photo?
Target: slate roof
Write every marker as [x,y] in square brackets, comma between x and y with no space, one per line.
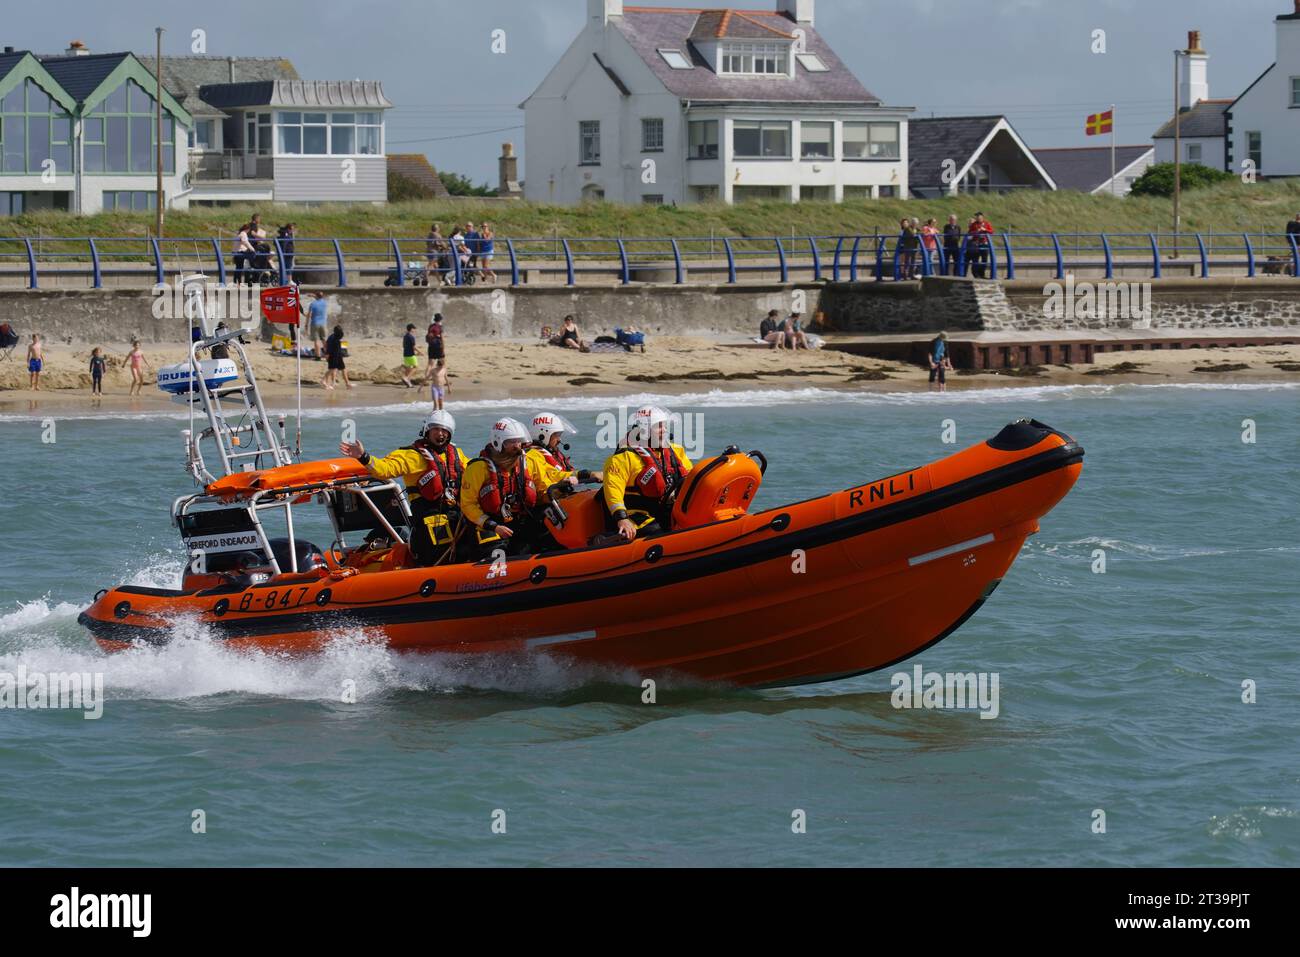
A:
[417,168]
[1206,118]
[331,94]
[1087,168]
[81,76]
[10,60]
[185,75]
[650,29]
[931,141]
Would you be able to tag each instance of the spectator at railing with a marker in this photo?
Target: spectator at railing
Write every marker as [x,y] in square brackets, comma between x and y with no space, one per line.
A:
[243,252]
[487,250]
[979,238]
[952,243]
[285,235]
[908,243]
[459,249]
[1293,229]
[435,253]
[930,236]
[472,243]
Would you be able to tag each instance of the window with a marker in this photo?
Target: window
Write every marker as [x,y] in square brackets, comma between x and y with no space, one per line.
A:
[653,199]
[11,204]
[755,59]
[704,139]
[652,136]
[263,134]
[888,192]
[811,62]
[744,194]
[1255,148]
[977,178]
[315,134]
[128,200]
[857,192]
[871,141]
[751,139]
[343,133]
[318,134]
[1295,91]
[822,194]
[817,140]
[676,59]
[704,194]
[589,143]
[1193,152]
[203,134]
[33,129]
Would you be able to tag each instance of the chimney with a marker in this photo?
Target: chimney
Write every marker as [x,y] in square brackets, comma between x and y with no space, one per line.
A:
[1193,75]
[600,11]
[230,69]
[11,49]
[77,48]
[508,173]
[801,11]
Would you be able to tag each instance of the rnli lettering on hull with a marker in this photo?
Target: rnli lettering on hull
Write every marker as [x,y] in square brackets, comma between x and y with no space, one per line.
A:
[882,491]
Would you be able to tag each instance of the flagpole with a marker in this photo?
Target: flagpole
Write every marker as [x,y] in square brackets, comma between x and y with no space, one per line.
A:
[1112,149]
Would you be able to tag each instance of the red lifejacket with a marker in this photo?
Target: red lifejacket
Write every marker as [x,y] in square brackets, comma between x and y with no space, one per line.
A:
[441,481]
[658,477]
[555,458]
[507,492]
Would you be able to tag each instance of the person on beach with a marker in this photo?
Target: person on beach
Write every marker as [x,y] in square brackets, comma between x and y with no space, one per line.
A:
[486,252]
[771,330]
[433,341]
[97,368]
[440,385]
[410,361]
[432,468]
[334,360]
[793,334]
[939,362]
[570,337]
[317,313]
[952,243]
[35,363]
[136,362]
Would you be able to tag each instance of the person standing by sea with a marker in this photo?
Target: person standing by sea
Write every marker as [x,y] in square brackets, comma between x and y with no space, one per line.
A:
[334,360]
[136,362]
[97,366]
[35,362]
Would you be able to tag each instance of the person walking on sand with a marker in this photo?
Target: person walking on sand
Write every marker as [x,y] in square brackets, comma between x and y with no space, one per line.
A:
[317,313]
[137,362]
[97,367]
[940,362]
[334,357]
[410,361]
[441,385]
[35,362]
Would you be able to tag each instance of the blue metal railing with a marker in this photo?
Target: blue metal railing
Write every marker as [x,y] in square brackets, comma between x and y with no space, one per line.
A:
[572,261]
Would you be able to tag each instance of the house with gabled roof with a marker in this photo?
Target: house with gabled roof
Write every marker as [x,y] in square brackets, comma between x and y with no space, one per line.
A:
[1200,128]
[1263,123]
[1087,169]
[688,105]
[950,155]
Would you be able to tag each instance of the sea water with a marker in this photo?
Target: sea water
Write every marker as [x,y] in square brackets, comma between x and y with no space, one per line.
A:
[1145,645]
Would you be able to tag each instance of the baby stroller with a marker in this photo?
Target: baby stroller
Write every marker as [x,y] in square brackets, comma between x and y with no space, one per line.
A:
[8,339]
[261,270]
[416,274]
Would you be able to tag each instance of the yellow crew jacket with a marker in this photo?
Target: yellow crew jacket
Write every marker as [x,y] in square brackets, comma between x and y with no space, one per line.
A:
[477,474]
[621,470]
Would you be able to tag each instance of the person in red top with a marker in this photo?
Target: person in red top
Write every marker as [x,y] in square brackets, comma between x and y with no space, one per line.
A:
[978,244]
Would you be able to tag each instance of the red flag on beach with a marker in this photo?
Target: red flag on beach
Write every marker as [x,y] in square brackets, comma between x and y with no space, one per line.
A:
[1099,123]
[280,304]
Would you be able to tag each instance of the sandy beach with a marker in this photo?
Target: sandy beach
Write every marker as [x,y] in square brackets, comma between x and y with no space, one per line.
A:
[530,370]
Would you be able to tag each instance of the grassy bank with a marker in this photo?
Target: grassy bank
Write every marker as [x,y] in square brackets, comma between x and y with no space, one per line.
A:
[1232,207]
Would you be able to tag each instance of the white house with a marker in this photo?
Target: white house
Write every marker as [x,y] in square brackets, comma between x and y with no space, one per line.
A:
[1202,121]
[659,105]
[1264,122]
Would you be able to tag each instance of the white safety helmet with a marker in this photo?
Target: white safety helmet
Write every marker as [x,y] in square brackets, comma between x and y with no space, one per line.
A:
[642,424]
[503,430]
[546,424]
[441,420]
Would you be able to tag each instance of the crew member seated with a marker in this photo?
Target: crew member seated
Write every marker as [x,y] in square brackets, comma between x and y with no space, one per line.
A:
[549,430]
[433,469]
[643,475]
[501,494]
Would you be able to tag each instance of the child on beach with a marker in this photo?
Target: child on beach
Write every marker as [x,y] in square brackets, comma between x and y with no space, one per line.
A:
[35,362]
[137,362]
[441,386]
[97,366]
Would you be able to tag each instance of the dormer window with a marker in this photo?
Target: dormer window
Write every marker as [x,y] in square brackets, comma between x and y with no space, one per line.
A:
[676,59]
[754,59]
